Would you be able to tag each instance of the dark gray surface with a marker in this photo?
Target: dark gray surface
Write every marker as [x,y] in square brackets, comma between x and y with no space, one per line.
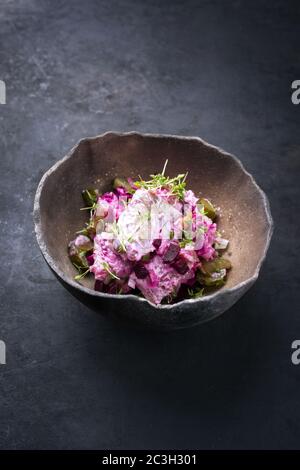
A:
[220,70]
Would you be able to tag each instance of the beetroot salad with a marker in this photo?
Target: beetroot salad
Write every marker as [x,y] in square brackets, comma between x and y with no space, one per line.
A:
[152,238]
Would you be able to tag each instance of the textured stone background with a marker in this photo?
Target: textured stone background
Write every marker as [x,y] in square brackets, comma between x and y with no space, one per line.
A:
[220,70]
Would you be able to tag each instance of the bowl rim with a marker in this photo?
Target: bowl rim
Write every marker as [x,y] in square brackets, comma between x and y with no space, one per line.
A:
[43,246]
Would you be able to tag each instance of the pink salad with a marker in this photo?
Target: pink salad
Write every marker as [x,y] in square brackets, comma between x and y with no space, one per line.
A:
[152,238]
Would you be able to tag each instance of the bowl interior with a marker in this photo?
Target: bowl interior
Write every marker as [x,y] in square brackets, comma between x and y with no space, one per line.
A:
[211,173]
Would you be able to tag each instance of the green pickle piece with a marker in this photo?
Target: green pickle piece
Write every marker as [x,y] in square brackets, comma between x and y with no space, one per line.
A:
[122,183]
[208,274]
[208,281]
[209,209]
[77,258]
[91,231]
[90,196]
[215,265]
[86,246]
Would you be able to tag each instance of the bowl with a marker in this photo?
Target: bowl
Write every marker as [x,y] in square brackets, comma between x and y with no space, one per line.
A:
[94,162]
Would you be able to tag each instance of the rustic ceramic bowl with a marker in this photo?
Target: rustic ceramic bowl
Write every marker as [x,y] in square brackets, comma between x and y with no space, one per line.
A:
[94,162]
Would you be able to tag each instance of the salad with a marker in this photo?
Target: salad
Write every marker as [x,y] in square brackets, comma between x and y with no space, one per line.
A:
[152,238]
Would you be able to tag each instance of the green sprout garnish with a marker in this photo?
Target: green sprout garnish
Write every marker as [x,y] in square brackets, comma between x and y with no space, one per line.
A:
[84,231]
[90,208]
[107,268]
[116,232]
[175,185]
[82,275]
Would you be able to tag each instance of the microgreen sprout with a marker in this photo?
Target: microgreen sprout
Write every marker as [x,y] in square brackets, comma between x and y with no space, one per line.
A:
[107,268]
[175,185]
[82,275]
[116,232]
[90,208]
